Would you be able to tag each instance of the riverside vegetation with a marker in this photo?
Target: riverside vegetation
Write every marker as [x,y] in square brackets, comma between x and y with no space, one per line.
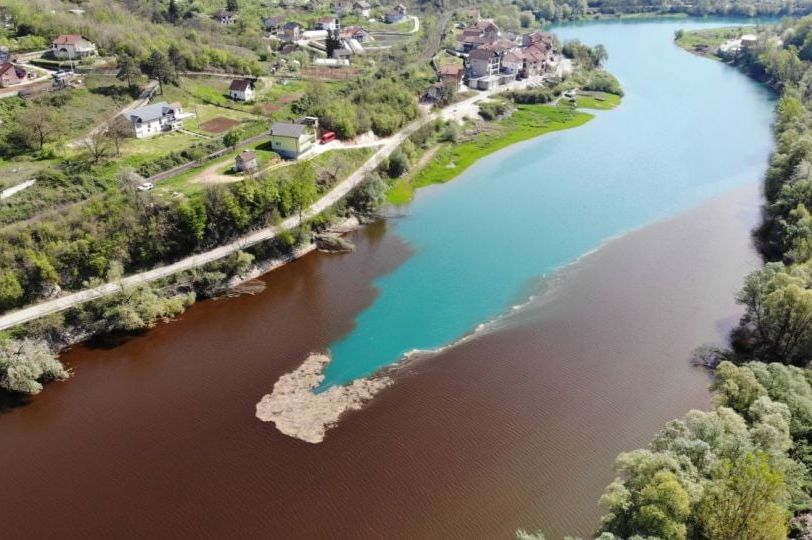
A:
[744,469]
[106,229]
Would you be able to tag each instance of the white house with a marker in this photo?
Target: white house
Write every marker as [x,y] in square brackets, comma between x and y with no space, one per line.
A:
[242,90]
[72,46]
[362,8]
[156,118]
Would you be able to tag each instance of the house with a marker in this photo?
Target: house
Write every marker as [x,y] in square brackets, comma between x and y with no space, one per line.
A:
[484,32]
[225,17]
[355,32]
[272,25]
[362,8]
[72,46]
[156,118]
[396,15]
[451,76]
[246,162]
[484,63]
[513,62]
[535,61]
[241,90]
[749,41]
[11,75]
[291,140]
[327,23]
[291,31]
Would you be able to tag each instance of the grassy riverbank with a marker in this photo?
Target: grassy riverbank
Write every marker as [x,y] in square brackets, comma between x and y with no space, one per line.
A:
[527,122]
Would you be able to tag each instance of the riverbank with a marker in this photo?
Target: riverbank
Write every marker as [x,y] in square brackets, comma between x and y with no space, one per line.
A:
[484,138]
[517,428]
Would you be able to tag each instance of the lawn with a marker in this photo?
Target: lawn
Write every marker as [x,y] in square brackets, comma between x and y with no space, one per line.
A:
[138,151]
[695,41]
[184,183]
[597,100]
[527,122]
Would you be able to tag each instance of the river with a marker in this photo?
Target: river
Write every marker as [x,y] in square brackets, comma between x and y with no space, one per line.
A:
[517,427]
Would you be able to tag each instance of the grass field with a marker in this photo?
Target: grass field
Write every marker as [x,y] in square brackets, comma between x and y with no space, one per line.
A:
[597,100]
[695,41]
[527,122]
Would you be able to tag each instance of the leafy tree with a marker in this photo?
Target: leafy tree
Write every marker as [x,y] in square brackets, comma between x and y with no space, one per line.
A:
[127,69]
[398,164]
[11,292]
[778,314]
[232,5]
[745,501]
[232,138]
[157,67]
[172,12]
[26,364]
[302,187]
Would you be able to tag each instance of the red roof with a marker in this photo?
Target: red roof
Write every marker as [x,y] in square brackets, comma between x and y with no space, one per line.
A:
[450,69]
[69,39]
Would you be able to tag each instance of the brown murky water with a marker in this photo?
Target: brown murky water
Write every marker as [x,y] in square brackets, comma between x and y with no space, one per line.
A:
[516,428]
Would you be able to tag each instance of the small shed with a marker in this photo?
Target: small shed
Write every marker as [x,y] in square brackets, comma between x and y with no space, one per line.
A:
[246,162]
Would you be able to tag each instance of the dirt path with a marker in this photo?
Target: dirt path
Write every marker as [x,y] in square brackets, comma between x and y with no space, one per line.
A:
[339,191]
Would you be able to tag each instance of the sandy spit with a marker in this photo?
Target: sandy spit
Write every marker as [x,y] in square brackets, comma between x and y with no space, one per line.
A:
[302,414]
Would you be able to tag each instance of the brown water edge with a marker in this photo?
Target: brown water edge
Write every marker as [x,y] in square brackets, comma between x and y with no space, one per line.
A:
[517,427]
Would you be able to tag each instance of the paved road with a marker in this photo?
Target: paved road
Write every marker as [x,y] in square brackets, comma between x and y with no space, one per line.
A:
[343,188]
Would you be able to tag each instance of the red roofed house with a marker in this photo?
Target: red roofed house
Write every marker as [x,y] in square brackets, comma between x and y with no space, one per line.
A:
[72,46]
[451,76]
[11,75]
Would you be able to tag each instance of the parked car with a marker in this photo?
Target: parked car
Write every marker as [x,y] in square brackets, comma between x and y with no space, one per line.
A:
[146,186]
[327,136]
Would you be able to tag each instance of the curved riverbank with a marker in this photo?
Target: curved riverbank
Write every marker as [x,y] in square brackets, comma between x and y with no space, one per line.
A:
[516,428]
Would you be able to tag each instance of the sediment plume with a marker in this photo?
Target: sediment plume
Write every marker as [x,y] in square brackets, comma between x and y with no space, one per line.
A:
[301,413]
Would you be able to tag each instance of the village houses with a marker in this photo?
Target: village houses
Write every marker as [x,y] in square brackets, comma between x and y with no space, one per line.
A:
[399,13]
[242,90]
[496,58]
[11,74]
[156,119]
[291,140]
[291,31]
[225,17]
[72,47]
[327,23]
[362,8]
[273,25]
[355,32]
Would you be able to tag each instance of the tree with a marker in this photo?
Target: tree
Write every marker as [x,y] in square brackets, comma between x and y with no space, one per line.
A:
[303,187]
[232,5]
[117,130]
[10,290]
[599,55]
[127,69]
[157,67]
[398,164]
[232,138]
[39,125]
[176,58]
[172,12]
[779,313]
[26,364]
[745,501]
[97,145]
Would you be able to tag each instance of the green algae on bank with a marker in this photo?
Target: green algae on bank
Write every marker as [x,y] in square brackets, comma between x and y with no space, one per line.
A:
[527,122]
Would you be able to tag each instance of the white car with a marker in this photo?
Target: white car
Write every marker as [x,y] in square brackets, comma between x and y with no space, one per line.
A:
[146,186]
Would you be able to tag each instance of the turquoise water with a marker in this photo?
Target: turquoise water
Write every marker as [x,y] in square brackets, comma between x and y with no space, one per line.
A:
[688,129]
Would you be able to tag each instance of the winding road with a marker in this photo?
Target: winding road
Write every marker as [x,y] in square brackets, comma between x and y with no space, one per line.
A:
[456,111]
